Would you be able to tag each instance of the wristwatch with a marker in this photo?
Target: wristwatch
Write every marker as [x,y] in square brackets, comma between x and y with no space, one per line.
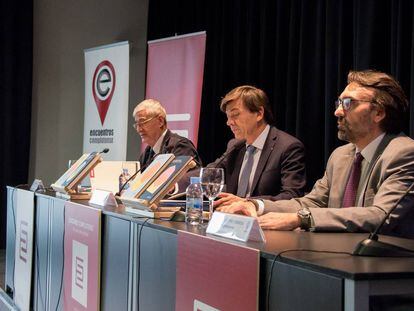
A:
[305,218]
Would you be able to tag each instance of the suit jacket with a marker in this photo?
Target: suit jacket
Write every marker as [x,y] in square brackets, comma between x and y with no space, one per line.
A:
[390,173]
[280,173]
[172,143]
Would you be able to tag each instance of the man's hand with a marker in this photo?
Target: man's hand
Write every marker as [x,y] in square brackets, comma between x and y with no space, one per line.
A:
[239,207]
[226,199]
[279,221]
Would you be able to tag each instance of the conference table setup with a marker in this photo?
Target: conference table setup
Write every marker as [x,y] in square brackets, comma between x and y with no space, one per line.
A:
[73,255]
[208,156]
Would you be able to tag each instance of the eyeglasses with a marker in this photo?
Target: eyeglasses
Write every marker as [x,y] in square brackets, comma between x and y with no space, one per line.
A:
[139,124]
[346,102]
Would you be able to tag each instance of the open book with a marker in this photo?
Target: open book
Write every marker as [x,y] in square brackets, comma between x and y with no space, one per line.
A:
[166,180]
[68,182]
[160,186]
[142,181]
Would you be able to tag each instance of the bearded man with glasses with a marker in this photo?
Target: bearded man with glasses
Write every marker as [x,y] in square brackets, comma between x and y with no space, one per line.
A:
[151,124]
[363,179]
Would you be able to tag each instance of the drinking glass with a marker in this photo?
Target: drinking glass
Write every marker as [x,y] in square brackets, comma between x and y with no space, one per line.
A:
[212,182]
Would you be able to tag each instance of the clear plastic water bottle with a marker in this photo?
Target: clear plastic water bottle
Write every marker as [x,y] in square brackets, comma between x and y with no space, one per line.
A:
[194,202]
[123,178]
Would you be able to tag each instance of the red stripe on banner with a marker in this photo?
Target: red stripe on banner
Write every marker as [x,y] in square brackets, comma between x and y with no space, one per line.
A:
[175,77]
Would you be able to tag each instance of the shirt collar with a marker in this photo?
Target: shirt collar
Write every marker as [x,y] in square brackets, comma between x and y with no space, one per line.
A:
[261,139]
[369,150]
[157,146]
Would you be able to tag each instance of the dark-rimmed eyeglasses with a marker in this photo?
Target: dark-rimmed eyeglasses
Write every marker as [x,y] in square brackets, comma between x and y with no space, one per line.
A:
[346,103]
[138,124]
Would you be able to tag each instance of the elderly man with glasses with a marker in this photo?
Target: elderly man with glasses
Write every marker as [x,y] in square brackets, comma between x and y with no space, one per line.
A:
[364,179]
[151,124]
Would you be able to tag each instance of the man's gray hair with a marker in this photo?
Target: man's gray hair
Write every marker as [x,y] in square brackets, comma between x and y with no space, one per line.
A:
[152,107]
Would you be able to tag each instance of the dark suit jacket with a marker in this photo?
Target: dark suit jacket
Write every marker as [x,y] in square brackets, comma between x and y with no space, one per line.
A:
[280,173]
[175,144]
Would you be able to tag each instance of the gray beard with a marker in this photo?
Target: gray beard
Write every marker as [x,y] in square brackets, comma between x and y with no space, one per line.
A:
[342,135]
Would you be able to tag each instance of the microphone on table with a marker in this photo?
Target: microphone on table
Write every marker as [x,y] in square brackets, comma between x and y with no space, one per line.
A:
[373,247]
[127,181]
[225,155]
[142,168]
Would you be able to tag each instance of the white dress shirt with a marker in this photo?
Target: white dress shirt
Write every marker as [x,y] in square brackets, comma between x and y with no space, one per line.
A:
[158,144]
[258,144]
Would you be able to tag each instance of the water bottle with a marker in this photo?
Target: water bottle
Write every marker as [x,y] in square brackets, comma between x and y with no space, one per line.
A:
[194,202]
[123,178]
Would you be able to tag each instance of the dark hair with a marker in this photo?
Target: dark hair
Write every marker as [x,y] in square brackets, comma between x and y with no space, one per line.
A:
[388,94]
[252,98]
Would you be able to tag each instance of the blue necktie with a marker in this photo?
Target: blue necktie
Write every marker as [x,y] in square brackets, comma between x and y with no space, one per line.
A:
[242,189]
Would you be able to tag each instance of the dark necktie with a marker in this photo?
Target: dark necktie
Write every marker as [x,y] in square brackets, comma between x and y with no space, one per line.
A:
[151,154]
[247,170]
[148,159]
[353,182]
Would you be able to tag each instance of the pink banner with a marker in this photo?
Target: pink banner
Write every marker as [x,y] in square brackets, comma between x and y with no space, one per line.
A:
[82,257]
[175,78]
[214,275]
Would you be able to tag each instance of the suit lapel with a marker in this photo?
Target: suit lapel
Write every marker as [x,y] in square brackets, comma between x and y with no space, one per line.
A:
[267,150]
[343,168]
[164,143]
[380,149]
[233,183]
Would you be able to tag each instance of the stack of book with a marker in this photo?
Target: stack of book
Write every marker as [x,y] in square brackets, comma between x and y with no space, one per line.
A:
[148,188]
[67,185]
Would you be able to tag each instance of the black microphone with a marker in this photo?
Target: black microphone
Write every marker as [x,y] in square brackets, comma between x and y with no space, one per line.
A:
[106,150]
[374,248]
[236,145]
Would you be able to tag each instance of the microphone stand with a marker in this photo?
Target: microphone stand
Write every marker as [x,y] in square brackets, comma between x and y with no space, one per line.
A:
[118,194]
[374,248]
[224,156]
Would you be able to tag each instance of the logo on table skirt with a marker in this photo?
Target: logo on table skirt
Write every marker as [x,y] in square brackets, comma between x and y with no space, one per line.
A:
[103,87]
[201,306]
[80,272]
[23,240]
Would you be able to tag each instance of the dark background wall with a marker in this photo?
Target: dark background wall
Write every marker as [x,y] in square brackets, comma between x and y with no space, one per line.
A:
[61,32]
[298,51]
[42,81]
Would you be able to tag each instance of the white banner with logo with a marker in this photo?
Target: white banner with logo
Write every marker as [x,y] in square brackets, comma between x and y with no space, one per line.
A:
[24,207]
[106,100]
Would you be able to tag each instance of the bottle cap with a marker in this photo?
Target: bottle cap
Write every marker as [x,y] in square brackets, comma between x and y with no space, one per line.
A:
[194,180]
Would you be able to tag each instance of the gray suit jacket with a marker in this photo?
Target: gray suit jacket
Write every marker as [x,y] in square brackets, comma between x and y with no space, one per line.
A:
[389,175]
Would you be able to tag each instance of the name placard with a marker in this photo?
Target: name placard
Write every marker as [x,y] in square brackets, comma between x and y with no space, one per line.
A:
[102,198]
[236,227]
[37,185]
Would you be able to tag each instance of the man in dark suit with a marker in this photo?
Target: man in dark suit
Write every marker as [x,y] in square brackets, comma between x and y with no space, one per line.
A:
[151,124]
[261,161]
